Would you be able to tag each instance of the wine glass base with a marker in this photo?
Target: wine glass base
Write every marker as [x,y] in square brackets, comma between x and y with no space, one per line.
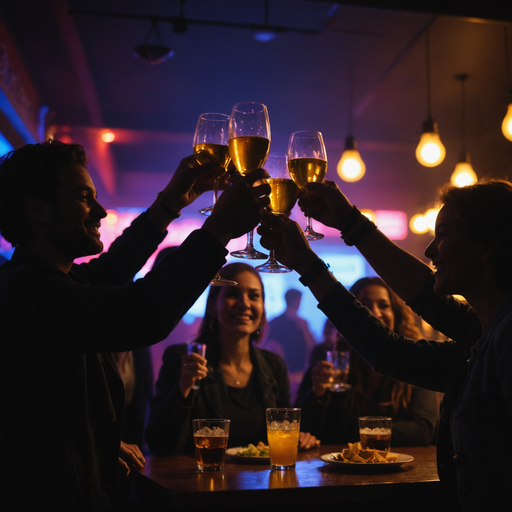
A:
[273,267]
[340,388]
[220,281]
[313,235]
[206,211]
[249,254]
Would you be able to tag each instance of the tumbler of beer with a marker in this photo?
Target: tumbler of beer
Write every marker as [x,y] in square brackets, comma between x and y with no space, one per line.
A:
[283,428]
[375,432]
[211,441]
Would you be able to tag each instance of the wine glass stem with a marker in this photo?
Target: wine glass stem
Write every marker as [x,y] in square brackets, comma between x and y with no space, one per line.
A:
[215,190]
[271,255]
[250,235]
[309,226]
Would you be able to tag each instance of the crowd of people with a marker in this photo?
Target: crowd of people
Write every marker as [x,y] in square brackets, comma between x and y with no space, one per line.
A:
[74,364]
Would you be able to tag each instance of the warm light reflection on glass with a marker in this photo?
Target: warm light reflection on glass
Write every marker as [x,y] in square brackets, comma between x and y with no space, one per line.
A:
[351,166]
[463,175]
[506,126]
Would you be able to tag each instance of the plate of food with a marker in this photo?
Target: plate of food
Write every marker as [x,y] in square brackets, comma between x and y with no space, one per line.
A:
[358,459]
[257,454]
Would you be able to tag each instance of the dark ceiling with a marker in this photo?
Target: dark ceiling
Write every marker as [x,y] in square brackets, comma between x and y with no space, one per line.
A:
[86,73]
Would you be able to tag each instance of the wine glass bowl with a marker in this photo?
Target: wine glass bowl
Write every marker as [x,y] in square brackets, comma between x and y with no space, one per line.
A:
[249,144]
[211,143]
[283,196]
[307,162]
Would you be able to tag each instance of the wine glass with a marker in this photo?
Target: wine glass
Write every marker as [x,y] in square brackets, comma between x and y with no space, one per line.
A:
[249,144]
[307,162]
[339,372]
[211,142]
[283,195]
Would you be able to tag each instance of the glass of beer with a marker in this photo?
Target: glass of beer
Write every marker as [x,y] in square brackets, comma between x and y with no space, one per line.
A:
[339,372]
[211,441]
[249,144]
[283,428]
[283,196]
[375,432]
[307,161]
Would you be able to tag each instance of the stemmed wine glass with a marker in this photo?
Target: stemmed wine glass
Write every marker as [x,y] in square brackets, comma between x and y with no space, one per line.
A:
[249,144]
[211,141]
[283,196]
[307,162]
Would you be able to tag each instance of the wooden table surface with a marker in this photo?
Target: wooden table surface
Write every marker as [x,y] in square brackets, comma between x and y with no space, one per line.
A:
[175,482]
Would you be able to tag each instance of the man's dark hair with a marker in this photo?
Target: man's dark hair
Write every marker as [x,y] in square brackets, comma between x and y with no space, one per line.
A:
[33,170]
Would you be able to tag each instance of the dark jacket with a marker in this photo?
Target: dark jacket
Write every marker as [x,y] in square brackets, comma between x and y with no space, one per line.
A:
[61,396]
[169,428]
[474,370]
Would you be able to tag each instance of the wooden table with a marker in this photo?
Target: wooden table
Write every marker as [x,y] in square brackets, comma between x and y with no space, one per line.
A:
[174,482]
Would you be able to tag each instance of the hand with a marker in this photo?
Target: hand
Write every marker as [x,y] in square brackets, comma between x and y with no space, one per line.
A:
[290,245]
[130,454]
[322,378]
[326,203]
[240,207]
[308,441]
[193,368]
[190,180]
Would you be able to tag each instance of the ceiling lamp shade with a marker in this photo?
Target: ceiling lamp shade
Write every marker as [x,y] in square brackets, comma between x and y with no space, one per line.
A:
[430,151]
[351,166]
[154,53]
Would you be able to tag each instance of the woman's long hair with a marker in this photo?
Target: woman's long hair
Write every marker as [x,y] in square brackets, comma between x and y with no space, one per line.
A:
[394,396]
[209,329]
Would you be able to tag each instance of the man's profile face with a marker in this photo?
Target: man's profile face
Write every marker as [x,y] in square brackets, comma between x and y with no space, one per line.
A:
[74,227]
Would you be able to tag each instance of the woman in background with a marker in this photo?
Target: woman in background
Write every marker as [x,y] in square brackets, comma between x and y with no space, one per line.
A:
[235,381]
[332,417]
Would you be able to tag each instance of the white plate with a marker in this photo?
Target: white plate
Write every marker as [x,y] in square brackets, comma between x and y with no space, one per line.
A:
[233,452]
[367,466]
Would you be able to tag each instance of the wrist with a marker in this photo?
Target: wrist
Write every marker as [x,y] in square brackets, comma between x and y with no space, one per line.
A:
[167,207]
[217,231]
[318,267]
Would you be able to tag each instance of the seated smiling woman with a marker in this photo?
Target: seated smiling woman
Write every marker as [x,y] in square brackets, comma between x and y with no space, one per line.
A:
[236,380]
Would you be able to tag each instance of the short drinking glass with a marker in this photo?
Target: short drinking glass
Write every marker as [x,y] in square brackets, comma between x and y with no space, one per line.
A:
[375,432]
[211,441]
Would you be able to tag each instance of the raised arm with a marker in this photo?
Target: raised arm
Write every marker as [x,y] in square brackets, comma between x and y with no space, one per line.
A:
[402,271]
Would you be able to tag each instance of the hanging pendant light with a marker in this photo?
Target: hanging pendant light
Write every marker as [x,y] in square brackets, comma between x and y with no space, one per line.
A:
[506,125]
[463,175]
[430,151]
[351,167]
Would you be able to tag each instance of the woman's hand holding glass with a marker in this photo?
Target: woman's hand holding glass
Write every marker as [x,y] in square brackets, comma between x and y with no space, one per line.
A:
[193,369]
[322,378]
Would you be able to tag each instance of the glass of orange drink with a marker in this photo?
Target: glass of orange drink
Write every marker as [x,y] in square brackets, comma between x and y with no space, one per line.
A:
[283,428]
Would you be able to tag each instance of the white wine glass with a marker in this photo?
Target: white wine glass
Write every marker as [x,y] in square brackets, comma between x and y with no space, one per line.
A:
[339,373]
[283,196]
[307,162]
[249,144]
[211,142]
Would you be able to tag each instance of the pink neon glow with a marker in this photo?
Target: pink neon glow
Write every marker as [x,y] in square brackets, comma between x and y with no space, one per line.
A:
[393,223]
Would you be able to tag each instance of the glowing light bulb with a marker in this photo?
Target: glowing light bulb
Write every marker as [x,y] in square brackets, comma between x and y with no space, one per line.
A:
[463,175]
[108,137]
[351,166]
[111,218]
[506,126]
[430,151]
[430,218]
[418,224]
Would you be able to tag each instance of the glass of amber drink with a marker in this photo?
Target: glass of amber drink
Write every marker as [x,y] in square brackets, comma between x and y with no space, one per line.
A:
[283,428]
[375,432]
[211,441]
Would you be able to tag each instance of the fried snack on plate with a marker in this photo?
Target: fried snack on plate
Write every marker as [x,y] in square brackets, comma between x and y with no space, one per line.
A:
[354,453]
[261,450]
